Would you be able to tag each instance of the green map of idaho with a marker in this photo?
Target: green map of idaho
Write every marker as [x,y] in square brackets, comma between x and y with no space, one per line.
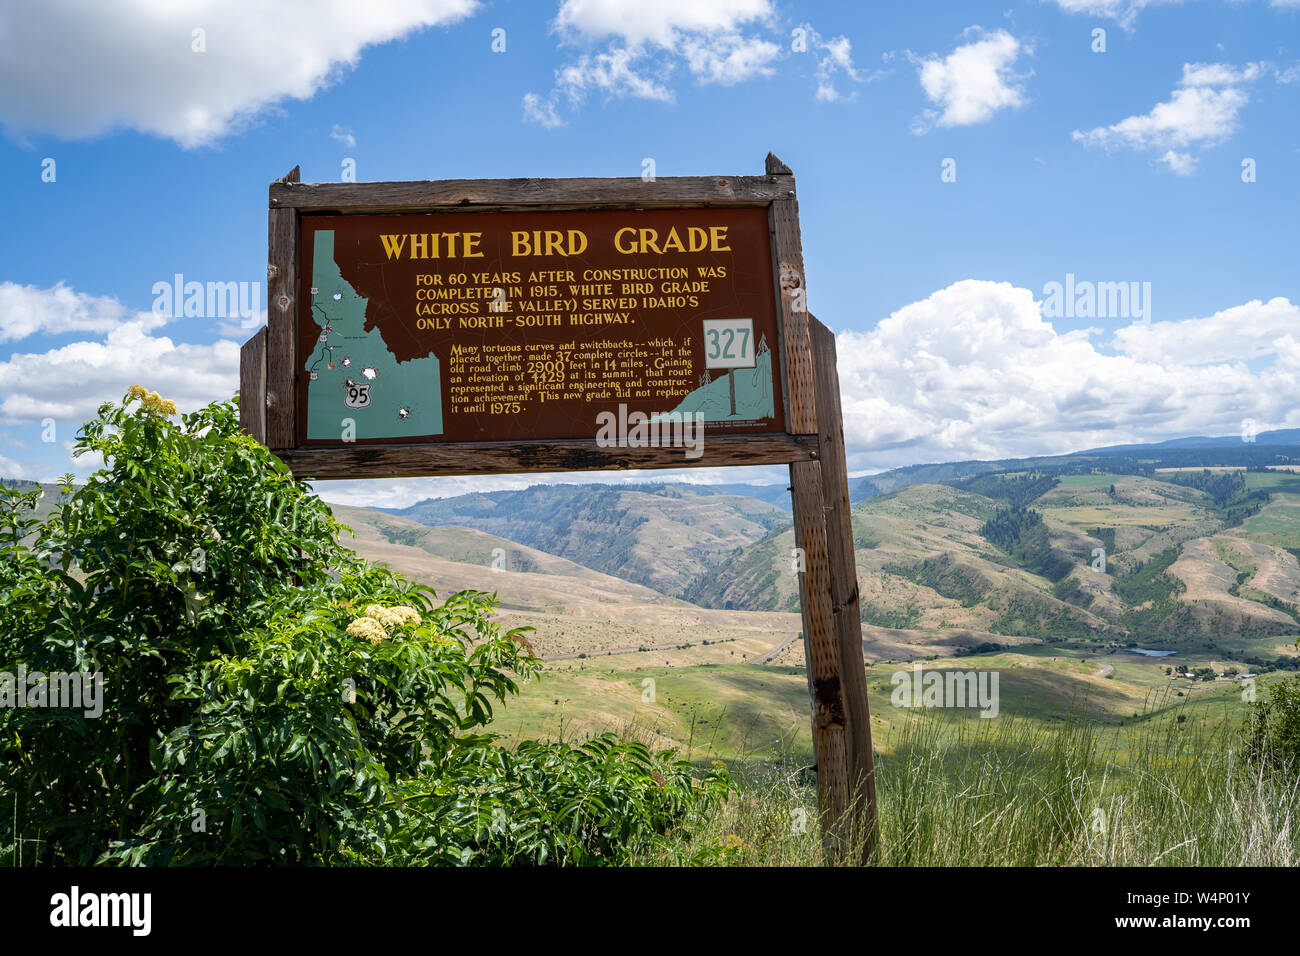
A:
[354,375]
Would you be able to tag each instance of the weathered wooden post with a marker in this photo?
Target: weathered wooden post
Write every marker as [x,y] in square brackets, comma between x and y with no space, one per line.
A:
[837,684]
[845,605]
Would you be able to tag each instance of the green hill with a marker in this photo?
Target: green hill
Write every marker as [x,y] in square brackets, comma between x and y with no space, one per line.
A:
[1190,561]
[663,536]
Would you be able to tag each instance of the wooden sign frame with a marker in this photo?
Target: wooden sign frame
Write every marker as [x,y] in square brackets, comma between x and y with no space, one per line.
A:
[813,444]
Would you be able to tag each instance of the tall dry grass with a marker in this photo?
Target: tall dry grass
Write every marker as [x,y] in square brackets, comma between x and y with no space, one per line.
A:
[1015,792]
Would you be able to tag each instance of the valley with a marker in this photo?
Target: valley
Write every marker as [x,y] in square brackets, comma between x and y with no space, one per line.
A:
[672,611]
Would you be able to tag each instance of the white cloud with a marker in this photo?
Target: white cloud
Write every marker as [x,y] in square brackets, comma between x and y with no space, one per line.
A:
[974,371]
[647,43]
[27,310]
[837,55]
[834,58]
[730,58]
[343,136]
[661,23]
[1242,333]
[75,69]
[1203,111]
[1125,11]
[68,383]
[612,73]
[1180,164]
[87,461]
[16,469]
[973,82]
[1222,74]
[542,111]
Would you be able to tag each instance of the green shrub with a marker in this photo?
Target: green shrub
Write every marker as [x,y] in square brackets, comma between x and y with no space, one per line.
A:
[1274,730]
[601,801]
[268,696]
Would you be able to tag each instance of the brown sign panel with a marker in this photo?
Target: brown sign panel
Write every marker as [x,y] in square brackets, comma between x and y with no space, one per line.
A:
[535,325]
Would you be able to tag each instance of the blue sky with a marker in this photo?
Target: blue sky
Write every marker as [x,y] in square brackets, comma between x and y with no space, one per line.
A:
[1116,166]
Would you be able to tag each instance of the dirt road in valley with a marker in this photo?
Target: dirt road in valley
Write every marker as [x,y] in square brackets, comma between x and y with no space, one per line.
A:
[776,650]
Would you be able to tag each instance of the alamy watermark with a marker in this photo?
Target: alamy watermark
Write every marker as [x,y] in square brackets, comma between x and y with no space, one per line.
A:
[1083,299]
[961,689]
[208,300]
[626,429]
[129,910]
[56,691]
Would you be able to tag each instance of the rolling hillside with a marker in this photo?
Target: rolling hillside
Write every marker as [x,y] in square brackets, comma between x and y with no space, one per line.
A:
[1272,448]
[694,590]
[663,536]
[573,609]
[938,563]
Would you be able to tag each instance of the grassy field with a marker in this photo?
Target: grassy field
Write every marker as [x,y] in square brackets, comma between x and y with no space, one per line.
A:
[1012,793]
[710,711]
[726,709]
[1278,523]
[1095,759]
[1097,756]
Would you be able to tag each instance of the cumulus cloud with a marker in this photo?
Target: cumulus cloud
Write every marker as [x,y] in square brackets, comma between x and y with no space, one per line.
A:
[1180,164]
[1203,111]
[647,45]
[171,81]
[27,310]
[730,58]
[974,81]
[1242,333]
[615,73]
[661,23]
[975,371]
[68,383]
[634,49]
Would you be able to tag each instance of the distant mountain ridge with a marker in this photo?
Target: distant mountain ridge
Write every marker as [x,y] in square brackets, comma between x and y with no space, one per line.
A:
[1280,446]
[1280,436]
[664,536]
[775,494]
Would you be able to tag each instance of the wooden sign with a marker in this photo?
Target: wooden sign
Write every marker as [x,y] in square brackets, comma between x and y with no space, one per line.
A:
[496,326]
[501,326]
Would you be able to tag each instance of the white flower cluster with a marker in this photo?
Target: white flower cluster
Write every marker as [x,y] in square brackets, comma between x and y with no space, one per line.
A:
[378,622]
